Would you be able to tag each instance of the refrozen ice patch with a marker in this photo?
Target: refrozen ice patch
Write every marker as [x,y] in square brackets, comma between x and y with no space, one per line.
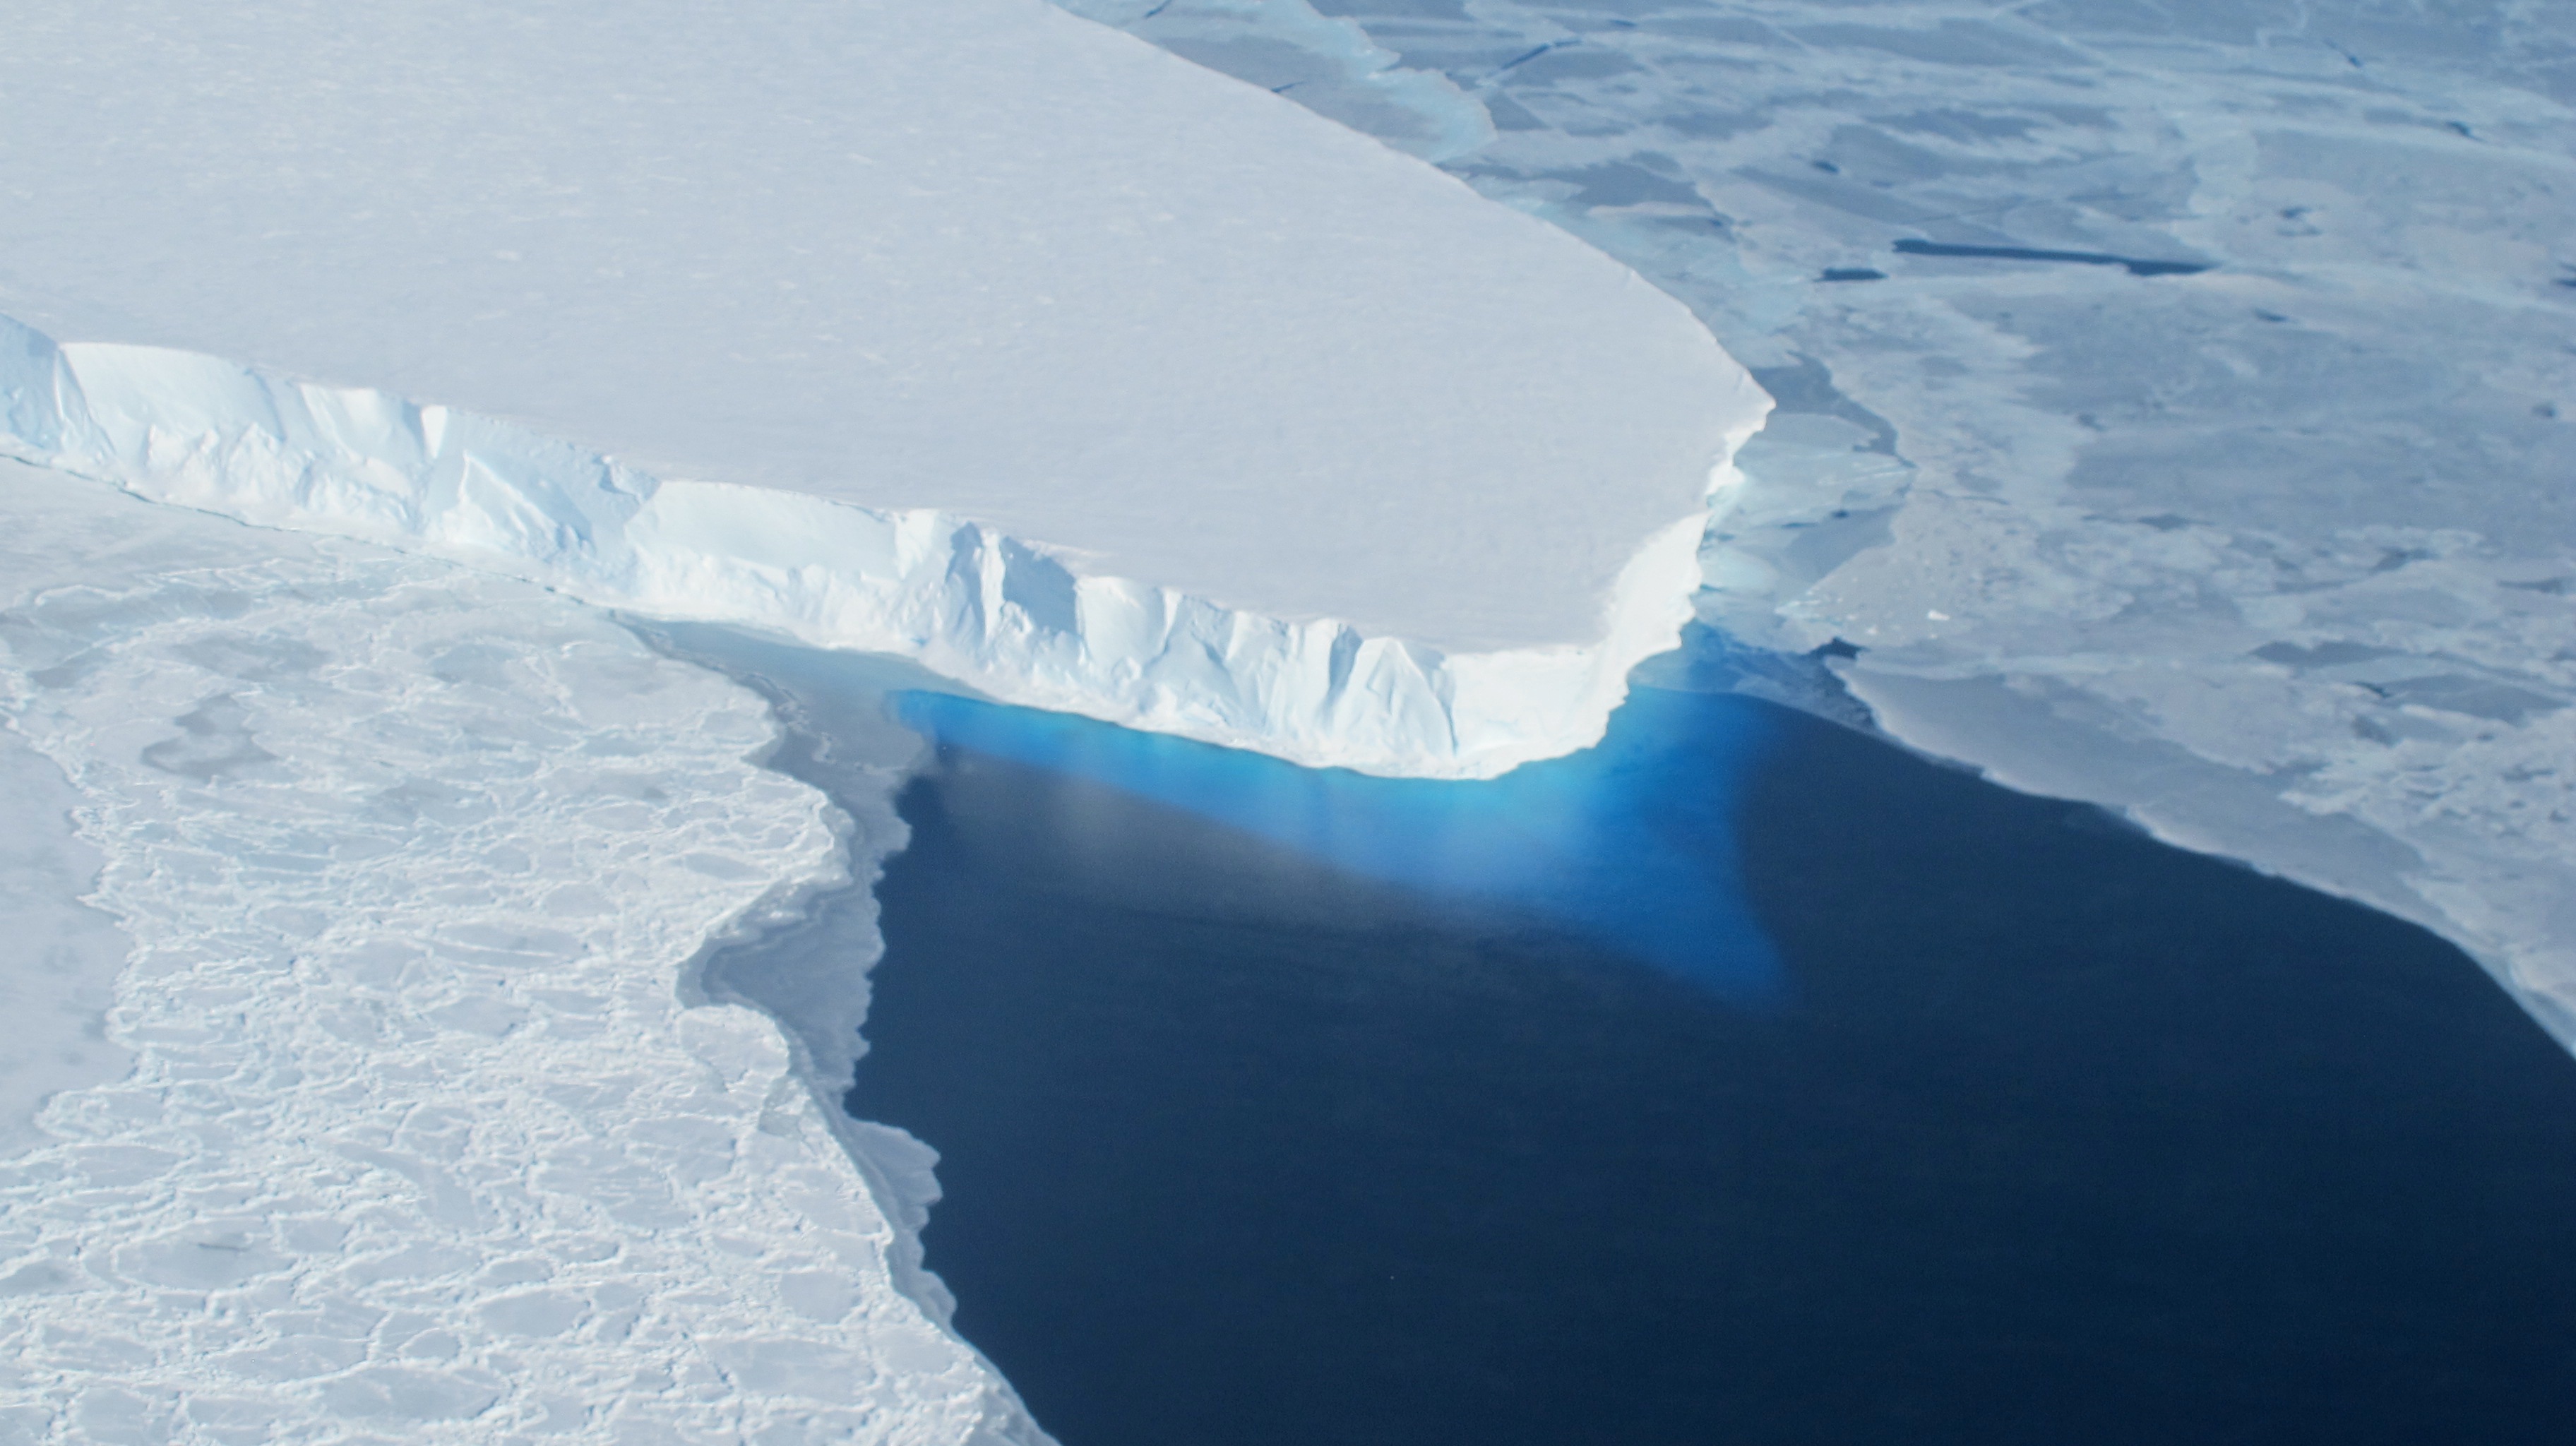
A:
[422,1141]
[2264,538]
[62,955]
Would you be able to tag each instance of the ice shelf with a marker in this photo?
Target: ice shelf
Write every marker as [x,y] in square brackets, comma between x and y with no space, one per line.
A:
[975,330]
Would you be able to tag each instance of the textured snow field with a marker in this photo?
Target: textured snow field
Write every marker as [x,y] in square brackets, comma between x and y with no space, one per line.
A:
[422,1141]
[1356,466]
[2278,557]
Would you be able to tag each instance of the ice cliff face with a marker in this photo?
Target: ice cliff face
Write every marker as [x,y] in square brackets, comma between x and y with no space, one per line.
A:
[424,1139]
[986,610]
[2174,401]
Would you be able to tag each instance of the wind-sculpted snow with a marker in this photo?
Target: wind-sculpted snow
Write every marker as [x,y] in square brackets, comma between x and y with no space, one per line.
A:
[1145,394]
[423,1141]
[968,602]
[2175,404]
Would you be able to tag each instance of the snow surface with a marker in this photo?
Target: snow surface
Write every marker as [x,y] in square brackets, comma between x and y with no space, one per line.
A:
[1393,477]
[424,1140]
[2278,556]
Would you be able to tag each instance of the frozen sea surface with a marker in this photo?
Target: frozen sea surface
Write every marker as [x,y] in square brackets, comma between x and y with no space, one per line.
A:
[2176,408]
[426,1136]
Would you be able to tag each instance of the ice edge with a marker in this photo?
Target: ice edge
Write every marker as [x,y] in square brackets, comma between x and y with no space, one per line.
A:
[993,612]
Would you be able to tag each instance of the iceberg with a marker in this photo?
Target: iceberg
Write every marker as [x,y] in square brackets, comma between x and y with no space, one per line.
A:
[972,331]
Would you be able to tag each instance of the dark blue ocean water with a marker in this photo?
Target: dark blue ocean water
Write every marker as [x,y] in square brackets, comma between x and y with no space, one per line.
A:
[1747,1080]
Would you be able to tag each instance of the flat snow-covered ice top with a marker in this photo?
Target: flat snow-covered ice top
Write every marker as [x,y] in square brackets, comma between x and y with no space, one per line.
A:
[973,255]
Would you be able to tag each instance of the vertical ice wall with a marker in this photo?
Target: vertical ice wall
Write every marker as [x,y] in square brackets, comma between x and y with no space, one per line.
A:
[970,603]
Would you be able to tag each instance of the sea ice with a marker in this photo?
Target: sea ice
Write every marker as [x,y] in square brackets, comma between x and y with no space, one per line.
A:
[2175,401]
[425,1139]
[1266,432]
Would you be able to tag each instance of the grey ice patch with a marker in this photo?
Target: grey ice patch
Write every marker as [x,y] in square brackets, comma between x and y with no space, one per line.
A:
[214,741]
[251,658]
[484,664]
[1807,385]
[59,957]
[2476,697]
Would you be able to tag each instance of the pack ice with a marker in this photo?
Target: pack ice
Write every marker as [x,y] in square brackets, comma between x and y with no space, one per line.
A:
[2175,404]
[971,331]
[425,1134]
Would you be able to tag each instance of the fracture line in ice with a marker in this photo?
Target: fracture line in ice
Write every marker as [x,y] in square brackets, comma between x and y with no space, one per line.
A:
[423,1142]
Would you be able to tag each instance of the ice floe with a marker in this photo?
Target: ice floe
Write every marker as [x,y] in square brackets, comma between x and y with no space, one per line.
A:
[428,1135]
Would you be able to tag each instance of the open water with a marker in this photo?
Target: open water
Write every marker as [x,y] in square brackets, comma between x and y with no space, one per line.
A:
[1747,1080]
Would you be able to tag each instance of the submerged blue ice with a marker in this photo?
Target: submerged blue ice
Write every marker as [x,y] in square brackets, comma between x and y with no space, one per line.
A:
[1630,844]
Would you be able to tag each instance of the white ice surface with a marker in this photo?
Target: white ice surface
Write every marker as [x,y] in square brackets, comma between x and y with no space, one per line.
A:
[423,1140]
[2279,558]
[1396,477]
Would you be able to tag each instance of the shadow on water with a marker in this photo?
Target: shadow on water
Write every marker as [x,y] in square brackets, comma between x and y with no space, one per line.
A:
[1265,1121]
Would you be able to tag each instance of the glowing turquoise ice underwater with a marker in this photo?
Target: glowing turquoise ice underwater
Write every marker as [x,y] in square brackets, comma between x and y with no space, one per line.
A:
[1629,844]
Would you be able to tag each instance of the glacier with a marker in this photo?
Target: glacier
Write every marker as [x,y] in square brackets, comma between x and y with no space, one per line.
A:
[63,956]
[874,321]
[2174,403]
